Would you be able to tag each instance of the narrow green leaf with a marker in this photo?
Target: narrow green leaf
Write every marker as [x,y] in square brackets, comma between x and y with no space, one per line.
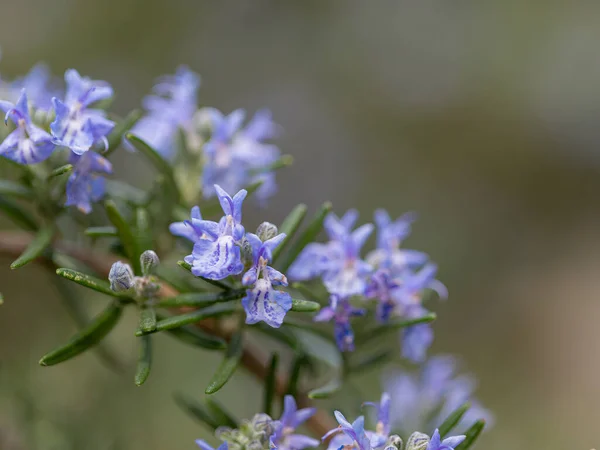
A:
[13,189]
[196,410]
[88,281]
[289,226]
[144,363]
[217,283]
[297,364]
[101,232]
[67,168]
[36,247]
[125,233]
[307,292]
[380,330]
[304,305]
[223,416]
[228,365]
[453,419]
[309,235]
[116,135]
[143,233]
[159,163]
[196,337]
[472,435]
[147,319]
[19,215]
[328,390]
[97,330]
[270,384]
[126,192]
[369,362]
[201,298]
[192,317]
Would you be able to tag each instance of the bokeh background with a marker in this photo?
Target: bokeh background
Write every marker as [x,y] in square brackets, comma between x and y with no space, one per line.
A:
[482,116]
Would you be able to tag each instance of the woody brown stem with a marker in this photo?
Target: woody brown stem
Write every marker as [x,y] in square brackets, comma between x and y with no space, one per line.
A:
[253,359]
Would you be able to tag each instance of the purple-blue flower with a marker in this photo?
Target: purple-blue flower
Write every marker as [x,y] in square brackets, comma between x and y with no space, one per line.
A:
[340,311]
[284,437]
[186,229]
[76,126]
[338,261]
[450,443]
[218,254]
[170,108]
[86,184]
[262,302]
[423,400]
[27,144]
[205,446]
[383,415]
[39,85]
[354,435]
[237,156]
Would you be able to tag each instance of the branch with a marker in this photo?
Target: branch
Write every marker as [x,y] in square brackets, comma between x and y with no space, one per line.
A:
[253,359]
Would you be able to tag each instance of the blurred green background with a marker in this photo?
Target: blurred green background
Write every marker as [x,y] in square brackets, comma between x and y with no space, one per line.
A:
[482,116]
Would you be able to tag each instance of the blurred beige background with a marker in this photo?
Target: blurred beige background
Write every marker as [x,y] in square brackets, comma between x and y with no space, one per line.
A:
[482,116]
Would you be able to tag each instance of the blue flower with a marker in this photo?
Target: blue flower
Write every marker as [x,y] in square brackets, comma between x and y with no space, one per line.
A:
[354,435]
[171,108]
[86,184]
[204,446]
[284,437]
[40,87]
[27,144]
[236,156]
[76,126]
[262,302]
[186,229]
[423,400]
[340,311]
[338,261]
[217,254]
[383,415]
[450,443]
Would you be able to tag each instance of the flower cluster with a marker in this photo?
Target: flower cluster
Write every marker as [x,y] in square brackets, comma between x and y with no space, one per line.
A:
[217,254]
[145,287]
[395,278]
[423,400]
[262,432]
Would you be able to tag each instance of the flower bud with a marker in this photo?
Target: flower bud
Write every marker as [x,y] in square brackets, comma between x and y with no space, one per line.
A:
[149,261]
[121,277]
[266,231]
[417,441]
[246,250]
[394,442]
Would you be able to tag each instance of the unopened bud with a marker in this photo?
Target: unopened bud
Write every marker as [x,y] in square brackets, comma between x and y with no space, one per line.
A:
[246,250]
[149,261]
[266,231]
[394,442]
[121,277]
[417,441]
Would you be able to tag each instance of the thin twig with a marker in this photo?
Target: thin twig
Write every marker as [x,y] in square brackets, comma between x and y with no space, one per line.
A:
[253,359]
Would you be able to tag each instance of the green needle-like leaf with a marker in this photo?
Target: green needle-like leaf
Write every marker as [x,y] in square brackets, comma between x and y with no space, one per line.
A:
[144,362]
[270,382]
[328,390]
[196,337]
[159,163]
[369,362]
[101,232]
[201,299]
[453,419]
[472,435]
[228,365]
[220,413]
[116,136]
[130,194]
[67,168]
[86,338]
[380,330]
[89,282]
[304,305]
[15,190]
[36,247]
[19,215]
[196,410]
[289,226]
[309,235]
[307,292]
[147,319]
[126,235]
[192,317]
